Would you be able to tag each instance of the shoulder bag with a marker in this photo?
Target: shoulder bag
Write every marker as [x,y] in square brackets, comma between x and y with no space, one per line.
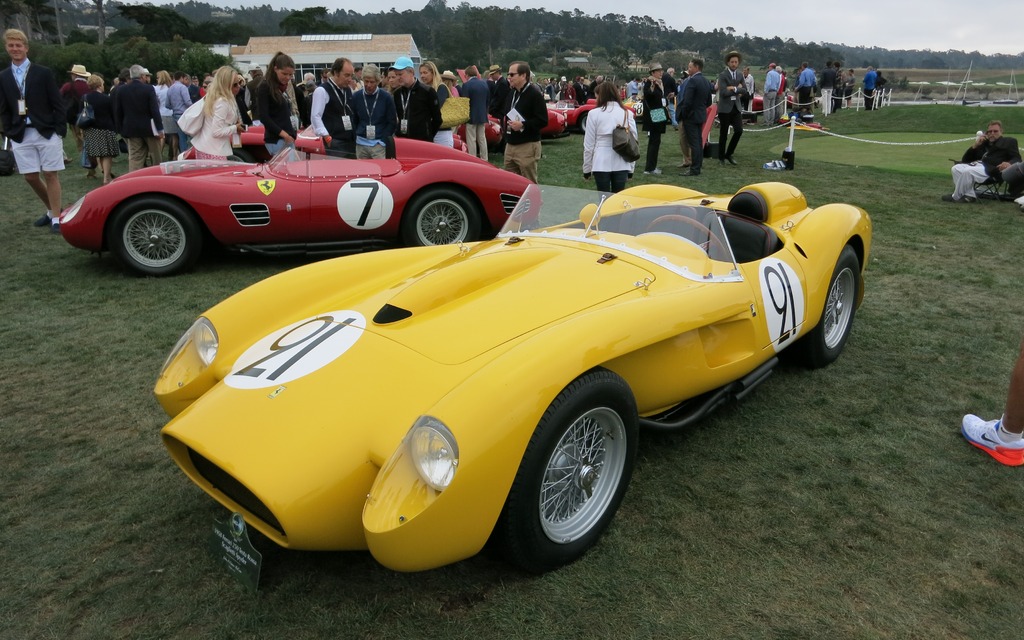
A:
[454,112]
[624,142]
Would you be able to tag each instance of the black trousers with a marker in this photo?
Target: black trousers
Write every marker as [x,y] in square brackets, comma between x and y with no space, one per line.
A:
[734,118]
[694,138]
[653,149]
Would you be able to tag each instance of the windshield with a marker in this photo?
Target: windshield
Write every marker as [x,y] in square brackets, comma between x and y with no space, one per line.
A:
[687,239]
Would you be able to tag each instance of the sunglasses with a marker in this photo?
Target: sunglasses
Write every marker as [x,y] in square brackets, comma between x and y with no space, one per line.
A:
[512,74]
[236,84]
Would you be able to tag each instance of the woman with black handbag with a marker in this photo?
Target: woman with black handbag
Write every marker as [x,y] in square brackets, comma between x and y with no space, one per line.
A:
[610,170]
[100,139]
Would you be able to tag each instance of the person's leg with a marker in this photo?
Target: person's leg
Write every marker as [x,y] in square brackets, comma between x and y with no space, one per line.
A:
[724,119]
[530,161]
[1001,438]
[512,158]
[684,146]
[693,137]
[603,180]
[137,150]
[38,187]
[653,151]
[105,164]
[964,177]
[737,133]
[618,180]
[53,191]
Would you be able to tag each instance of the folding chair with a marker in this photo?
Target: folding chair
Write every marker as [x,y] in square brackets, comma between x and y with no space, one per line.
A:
[993,189]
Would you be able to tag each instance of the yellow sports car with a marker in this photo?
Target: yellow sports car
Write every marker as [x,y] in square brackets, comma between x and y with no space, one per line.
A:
[420,402]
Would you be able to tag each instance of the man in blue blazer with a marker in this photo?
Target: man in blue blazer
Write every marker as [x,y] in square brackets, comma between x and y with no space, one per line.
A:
[475,88]
[693,112]
[34,120]
[137,118]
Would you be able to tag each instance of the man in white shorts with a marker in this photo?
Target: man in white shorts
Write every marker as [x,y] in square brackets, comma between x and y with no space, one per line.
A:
[33,118]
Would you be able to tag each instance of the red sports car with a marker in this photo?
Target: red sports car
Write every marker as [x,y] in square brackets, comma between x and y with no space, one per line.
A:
[156,220]
[250,146]
[575,114]
[556,128]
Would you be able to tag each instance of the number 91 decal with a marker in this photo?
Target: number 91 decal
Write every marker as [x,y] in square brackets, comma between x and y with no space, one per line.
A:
[783,298]
[297,350]
[365,203]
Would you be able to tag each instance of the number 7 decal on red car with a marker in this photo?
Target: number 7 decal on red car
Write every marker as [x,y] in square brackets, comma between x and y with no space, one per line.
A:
[365,203]
[296,350]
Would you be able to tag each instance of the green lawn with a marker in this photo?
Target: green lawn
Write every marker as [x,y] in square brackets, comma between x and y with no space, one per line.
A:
[909,153]
[835,503]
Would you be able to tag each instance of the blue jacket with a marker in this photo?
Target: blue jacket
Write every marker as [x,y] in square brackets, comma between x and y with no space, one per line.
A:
[479,95]
[377,109]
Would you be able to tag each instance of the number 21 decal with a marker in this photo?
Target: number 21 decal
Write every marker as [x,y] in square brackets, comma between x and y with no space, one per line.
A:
[296,350]
[365,203]
[783,298]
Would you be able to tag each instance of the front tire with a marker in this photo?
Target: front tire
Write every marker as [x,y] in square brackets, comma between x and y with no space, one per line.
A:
[573,474]
[825,342]
[155,236]
[441,215]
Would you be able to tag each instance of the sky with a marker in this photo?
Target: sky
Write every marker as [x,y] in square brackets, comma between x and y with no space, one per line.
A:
[938,25]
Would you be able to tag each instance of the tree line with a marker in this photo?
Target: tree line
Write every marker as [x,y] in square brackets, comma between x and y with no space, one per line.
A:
[452,37]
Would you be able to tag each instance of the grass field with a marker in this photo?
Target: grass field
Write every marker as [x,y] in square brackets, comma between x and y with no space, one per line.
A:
[836,503]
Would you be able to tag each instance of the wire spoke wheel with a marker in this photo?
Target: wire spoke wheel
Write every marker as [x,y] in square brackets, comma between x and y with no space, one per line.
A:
[153,238]
[582,475]
[442,221]
[839,307]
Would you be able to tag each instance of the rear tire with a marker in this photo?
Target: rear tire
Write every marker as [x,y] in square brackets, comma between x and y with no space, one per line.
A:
[825,342]
[573,475]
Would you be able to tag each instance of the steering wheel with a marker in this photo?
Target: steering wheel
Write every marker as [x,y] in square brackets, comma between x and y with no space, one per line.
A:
[704,231]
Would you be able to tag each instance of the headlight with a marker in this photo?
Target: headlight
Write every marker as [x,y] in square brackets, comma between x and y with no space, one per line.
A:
[434,452]
[200,339]
[72,211]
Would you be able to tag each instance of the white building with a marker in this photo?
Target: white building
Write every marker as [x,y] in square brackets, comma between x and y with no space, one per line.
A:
[312,53]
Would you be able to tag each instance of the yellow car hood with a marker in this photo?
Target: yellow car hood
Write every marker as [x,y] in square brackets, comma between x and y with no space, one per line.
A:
[474,303]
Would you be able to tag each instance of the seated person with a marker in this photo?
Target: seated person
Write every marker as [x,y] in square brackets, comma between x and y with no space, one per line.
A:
[986,158]
[1013,176]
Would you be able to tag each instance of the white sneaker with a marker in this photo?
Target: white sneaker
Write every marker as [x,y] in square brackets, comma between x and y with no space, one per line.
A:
[653,172]
[986,436]
[1020,201]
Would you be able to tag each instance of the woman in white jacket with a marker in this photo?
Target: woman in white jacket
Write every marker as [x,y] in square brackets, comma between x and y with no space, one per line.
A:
[609,169]
[220,116]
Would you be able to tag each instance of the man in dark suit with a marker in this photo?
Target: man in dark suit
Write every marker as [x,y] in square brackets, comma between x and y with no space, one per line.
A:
[693,112]
[731,90]
[137,118]
[33,118]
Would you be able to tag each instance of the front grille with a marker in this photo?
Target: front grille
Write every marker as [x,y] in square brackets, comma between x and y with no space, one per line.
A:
[233,489]
[251,215]
[509,202]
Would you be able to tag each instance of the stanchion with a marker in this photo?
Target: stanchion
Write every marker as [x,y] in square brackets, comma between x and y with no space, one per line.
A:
[788,155]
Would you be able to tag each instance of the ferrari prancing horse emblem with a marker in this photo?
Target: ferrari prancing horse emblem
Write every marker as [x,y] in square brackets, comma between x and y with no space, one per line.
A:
[267,186]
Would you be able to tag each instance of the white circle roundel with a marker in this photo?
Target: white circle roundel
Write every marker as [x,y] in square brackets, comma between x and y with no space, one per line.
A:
[783,296]
[365,203]
[296,350]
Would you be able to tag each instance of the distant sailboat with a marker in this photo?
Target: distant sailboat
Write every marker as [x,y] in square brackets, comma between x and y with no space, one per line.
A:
[1012,94]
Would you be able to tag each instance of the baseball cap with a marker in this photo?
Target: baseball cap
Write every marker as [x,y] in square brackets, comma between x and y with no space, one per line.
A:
[403,62]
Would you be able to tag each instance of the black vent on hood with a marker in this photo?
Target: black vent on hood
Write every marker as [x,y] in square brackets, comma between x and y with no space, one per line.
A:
[389,314]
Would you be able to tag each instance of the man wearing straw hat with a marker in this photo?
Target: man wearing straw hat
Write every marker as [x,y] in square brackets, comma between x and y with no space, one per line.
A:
[72,93]
[500,89]
[731,89]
